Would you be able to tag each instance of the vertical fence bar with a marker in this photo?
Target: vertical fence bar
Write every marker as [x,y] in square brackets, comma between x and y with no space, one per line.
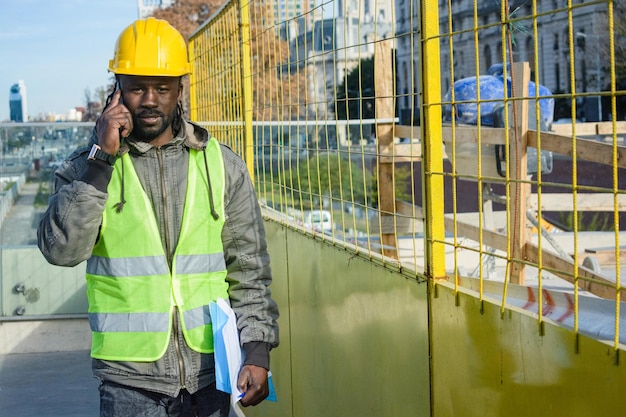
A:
[432,142]
[246,82]
[193,81]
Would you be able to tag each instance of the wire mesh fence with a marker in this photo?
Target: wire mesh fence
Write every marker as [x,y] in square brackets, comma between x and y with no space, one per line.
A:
[473,142]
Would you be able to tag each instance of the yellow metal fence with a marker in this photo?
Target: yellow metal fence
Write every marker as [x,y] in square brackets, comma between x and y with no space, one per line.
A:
[396,121]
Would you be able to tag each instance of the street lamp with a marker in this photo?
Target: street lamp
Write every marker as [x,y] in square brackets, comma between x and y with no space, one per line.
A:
[598,81]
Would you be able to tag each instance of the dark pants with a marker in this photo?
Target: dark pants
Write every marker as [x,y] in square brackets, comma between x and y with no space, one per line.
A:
[121,401]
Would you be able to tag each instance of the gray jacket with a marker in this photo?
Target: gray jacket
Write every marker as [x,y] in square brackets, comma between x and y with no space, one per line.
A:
[70,228]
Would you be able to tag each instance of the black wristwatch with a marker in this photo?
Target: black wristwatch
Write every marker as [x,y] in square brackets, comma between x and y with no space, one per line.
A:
[96,152]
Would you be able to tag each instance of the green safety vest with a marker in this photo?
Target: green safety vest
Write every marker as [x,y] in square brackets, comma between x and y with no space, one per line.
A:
[131,289]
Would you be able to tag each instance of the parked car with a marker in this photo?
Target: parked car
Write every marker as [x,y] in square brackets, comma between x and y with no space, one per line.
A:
[319,220]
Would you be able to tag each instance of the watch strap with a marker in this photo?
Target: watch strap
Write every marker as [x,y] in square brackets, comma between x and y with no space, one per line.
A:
[96,152]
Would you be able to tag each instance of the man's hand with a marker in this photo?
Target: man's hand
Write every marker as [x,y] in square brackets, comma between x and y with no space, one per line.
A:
[253,383]
[114,124]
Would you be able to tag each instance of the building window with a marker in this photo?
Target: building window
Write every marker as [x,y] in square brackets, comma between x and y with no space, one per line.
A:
[487,57]
[555,45]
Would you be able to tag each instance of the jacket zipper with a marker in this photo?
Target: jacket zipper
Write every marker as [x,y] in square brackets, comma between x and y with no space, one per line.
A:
[176,329]
[181,365]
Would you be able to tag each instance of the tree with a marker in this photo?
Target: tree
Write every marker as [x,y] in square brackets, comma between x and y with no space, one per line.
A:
[328,174]
[277,96]
[87,93]
[355,95]
[101,93]
[93,108]
[188,15]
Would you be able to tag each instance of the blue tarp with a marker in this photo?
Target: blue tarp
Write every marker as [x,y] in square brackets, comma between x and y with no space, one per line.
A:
[492,110]
[492,88]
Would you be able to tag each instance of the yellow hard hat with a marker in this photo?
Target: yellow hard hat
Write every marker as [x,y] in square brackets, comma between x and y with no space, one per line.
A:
[150,47]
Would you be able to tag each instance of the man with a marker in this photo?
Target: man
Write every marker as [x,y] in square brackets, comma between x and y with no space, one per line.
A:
[168,222]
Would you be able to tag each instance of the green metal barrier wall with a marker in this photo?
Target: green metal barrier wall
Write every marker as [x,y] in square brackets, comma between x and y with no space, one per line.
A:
[354,336]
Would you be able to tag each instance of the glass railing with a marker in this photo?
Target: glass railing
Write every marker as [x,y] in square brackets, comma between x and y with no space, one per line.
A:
[29,155]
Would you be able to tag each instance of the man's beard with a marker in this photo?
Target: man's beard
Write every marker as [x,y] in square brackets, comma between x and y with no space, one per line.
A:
[149,133]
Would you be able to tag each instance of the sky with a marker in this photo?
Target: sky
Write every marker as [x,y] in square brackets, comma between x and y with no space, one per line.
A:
[59,48]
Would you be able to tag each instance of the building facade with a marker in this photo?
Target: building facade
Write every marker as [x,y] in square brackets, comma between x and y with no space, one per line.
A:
[551,69]
[338,36]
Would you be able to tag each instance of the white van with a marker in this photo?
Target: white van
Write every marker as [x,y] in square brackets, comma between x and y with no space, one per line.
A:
[319,220]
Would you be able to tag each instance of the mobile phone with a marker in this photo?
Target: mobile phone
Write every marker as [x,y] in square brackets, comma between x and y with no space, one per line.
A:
[118,87]
[121,101]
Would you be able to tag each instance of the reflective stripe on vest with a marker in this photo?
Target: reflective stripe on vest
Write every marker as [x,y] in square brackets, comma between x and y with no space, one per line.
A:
[131,288]
[145,322]
[154,265]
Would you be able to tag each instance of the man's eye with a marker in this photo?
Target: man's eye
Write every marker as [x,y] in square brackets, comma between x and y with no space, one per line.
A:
[163,89]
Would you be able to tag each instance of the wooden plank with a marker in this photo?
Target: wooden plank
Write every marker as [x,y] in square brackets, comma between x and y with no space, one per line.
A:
[383,87]
[489,237]
[400,152]
[589,150]
[605,255]
[462,134]
[519,192]
[558,266]
[409,209]
[606,128]
[589,129]
[584,202]
[567,129]
[564,269]
[409,132]
[586,149]
[470,134]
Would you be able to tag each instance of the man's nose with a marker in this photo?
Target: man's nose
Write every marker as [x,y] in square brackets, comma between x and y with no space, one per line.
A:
[149,98]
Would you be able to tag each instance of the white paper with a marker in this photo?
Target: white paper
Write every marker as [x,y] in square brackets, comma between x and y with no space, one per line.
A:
[229,356]
[230,335]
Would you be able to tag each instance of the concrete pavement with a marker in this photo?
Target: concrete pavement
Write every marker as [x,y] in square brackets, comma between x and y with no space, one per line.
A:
[58,384]
[55,384]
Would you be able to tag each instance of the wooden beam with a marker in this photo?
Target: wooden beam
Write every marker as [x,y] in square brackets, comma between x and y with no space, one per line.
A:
[605,255]
[586,149]
[589,150]
[401,152]
[589,129]
[518,191]
[489,237]
[462,134]
[584,202]
[383,88]
[563,268]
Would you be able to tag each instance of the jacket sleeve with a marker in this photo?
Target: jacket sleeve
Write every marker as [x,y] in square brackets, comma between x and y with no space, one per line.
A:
[69,228]
[248,264]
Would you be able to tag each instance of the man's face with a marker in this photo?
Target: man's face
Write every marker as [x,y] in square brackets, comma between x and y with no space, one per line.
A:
[152,101]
